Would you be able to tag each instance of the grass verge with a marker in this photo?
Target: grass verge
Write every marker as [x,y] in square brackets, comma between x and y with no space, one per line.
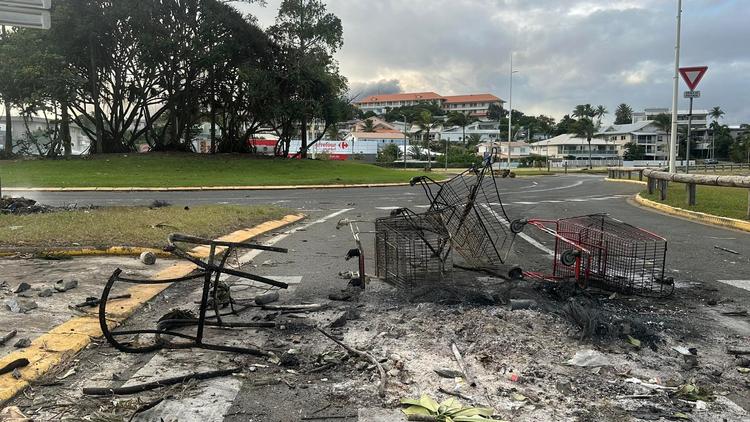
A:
[721,201]
[128,226]
[187,170]
[543,171]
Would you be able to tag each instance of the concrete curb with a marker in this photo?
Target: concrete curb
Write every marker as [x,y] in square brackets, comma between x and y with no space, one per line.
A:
[203,188]
[63,342]
[112,251]
[636,182]
[710,219]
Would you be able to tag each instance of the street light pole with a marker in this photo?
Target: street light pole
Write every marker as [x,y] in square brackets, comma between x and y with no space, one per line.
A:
[510,111]
[405,140]
[675,87]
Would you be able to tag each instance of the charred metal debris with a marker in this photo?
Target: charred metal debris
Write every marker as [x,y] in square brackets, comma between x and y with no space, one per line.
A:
[467,227]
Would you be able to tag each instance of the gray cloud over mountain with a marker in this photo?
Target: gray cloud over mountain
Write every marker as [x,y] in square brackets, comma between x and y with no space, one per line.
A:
[566,51]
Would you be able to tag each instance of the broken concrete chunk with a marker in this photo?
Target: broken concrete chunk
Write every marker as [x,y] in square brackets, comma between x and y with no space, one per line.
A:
[267,298]
[589,358]
[20,306]
[65,285]
[22,343]
[45,293]
[448,373]
[27,294]
[22,287]
[341,318]
[148,258]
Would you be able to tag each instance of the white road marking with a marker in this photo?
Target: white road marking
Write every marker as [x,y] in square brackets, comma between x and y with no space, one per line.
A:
[742,284]
[387,208]
[576,184]
[523,236]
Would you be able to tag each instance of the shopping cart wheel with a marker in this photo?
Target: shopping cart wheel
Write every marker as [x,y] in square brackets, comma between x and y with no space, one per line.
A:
[569,257]
[516,226]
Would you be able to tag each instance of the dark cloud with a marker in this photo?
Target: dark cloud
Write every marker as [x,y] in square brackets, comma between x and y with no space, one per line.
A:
[567,51]
[359,90]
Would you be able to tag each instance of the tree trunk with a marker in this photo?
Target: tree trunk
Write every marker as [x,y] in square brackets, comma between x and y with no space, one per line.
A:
[429,156]
[8,131]
[463,129]
[213,110]
[303,154]
[65,128]
[99,142]
[589,141]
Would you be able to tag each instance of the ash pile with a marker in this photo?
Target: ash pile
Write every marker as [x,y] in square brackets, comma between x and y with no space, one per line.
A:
[20,205]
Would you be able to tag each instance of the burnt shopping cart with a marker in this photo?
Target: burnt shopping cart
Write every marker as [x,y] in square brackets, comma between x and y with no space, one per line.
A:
[598,249]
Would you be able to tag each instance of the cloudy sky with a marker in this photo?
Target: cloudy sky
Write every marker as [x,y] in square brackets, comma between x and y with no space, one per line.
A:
[567,52]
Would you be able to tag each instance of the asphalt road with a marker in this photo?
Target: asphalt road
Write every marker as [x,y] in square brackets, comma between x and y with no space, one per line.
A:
[316,251]
[693,253]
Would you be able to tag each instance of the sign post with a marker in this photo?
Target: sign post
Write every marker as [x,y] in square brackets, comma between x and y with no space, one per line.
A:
[692,76]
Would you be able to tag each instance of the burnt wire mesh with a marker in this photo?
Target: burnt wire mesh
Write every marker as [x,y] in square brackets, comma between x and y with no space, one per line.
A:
[473,215]
[412,250]
[622,257]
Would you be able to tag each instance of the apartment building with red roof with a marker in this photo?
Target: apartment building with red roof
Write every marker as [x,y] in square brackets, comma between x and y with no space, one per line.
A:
[476,105]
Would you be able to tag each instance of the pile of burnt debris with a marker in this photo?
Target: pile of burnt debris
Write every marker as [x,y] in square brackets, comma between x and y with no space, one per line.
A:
[21,205]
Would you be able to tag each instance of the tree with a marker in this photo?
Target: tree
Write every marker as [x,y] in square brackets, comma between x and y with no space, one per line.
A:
[461,120]
[600,112]
[565,126]
[633,151]
[424,122]
[496,112]
[623,114]
[307,36]
[584,110]
[585,128]
[389,154]
[663,123]
[368,126]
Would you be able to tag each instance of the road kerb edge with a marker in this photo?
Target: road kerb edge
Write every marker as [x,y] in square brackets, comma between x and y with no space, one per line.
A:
[637,182]
[66,340]
[701,217]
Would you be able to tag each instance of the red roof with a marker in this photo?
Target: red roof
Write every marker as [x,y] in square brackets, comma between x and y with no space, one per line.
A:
[471,98]
[416,96]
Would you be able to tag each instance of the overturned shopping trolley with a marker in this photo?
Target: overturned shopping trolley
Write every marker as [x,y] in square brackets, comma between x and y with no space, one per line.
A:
[598,249]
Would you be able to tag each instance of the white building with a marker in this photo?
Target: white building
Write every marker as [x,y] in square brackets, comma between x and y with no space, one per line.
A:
[699,124]
[500,150]
[38,127]
[644,133]
[486,131]
[568,146]
[476,105]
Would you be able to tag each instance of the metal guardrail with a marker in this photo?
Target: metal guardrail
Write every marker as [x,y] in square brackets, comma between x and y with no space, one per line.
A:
[659,180]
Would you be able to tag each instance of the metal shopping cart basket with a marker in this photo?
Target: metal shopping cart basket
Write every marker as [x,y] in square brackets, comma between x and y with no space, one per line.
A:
[598,249]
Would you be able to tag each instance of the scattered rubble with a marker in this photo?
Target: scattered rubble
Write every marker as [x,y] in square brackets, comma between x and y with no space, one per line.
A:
[10,205]
[22,343]
[148,258]
[65,285]
[22,287]
[20,306]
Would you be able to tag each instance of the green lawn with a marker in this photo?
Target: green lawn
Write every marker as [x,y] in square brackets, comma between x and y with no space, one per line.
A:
[128,226]
[725,202]
[177,170]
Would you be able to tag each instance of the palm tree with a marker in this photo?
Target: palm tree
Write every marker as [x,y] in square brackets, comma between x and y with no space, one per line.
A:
[424,122]
[663,122]
[584,110]
[462,120]
[716,113]
[585,128]
[601,111]
[368,126]
[623,114]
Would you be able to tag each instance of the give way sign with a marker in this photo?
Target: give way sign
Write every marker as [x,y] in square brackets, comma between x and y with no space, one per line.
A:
[693,75]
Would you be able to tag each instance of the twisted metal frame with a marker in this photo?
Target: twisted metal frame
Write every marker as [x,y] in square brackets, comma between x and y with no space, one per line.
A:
[210,272]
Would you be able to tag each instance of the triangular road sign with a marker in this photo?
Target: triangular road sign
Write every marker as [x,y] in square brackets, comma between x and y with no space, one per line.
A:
[693,75]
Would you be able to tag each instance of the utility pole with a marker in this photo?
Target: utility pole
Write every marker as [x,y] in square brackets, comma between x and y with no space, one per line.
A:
[687,148]
[673,138]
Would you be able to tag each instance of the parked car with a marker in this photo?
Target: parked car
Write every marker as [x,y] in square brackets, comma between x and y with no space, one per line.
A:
[710,161]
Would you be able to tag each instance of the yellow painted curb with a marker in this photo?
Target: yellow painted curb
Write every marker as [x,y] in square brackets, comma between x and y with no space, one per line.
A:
[114,250]
[637,182]
[66,340]
[715,220]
